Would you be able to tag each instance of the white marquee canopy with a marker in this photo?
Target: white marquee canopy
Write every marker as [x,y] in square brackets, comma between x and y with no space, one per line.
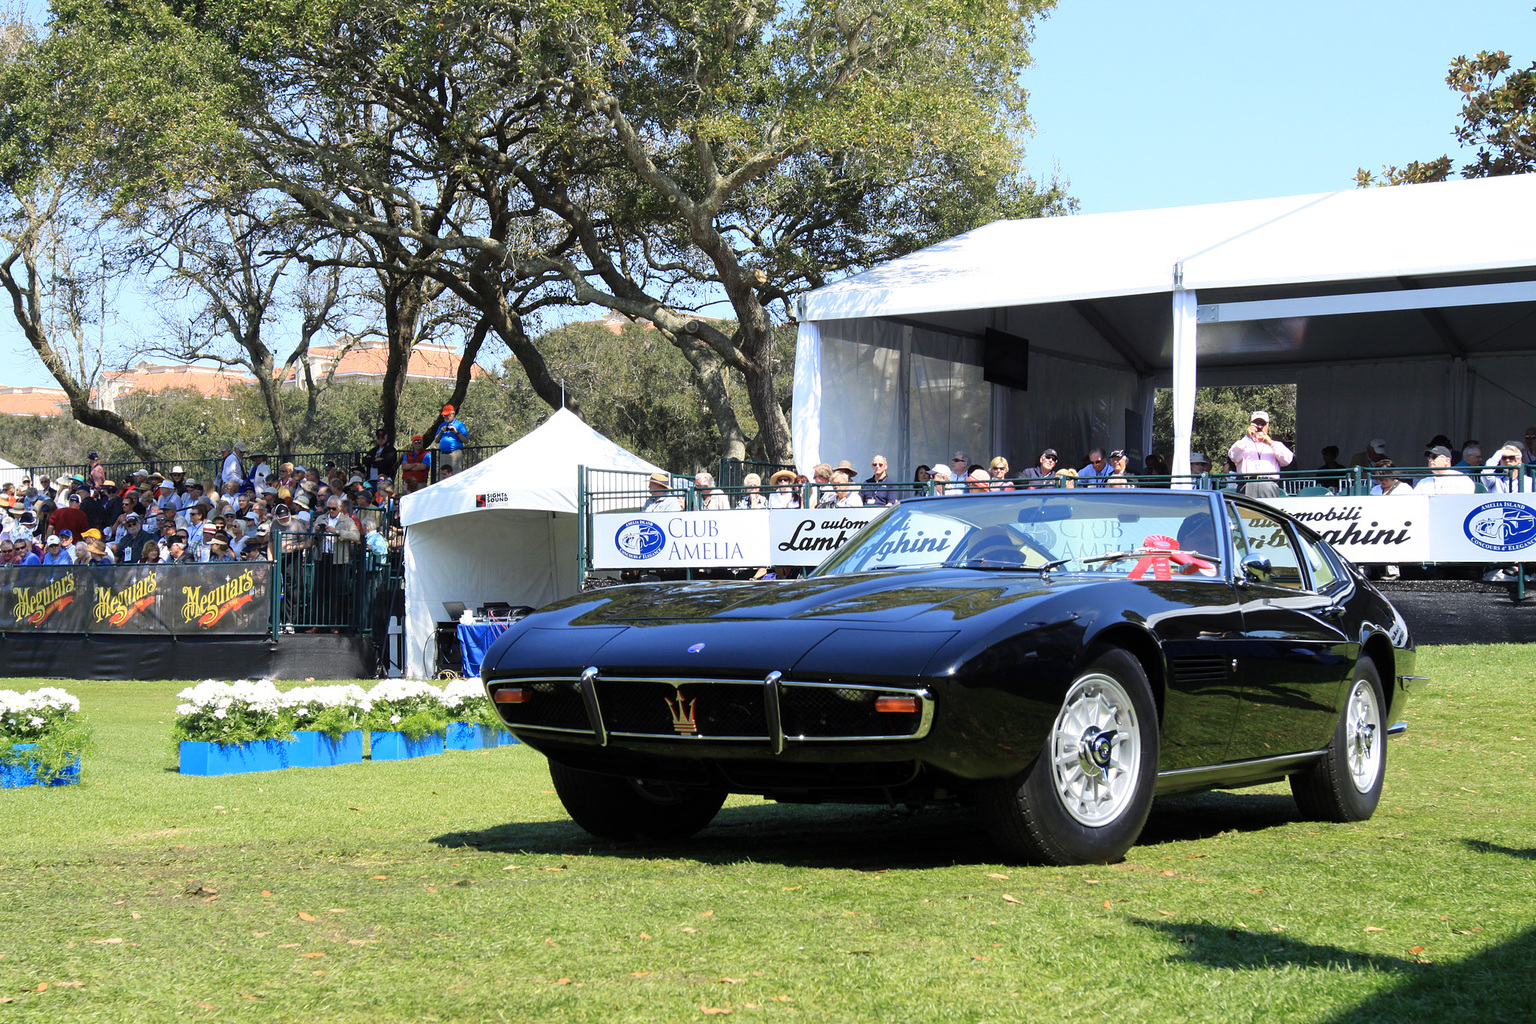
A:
[503,530]
[1399,312]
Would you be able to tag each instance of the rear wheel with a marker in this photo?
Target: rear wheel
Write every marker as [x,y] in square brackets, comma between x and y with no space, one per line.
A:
[1087,794]
[1345,784]
[610,807]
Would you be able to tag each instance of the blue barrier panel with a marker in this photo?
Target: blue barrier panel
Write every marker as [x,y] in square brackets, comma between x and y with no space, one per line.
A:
[203,758]
[317,750]
[396,746]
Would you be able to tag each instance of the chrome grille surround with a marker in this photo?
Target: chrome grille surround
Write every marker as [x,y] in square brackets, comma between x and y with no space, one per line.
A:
[780,712]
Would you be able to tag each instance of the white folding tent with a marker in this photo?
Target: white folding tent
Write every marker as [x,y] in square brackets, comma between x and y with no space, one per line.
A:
[503,530]
[1399,312]
[10,473]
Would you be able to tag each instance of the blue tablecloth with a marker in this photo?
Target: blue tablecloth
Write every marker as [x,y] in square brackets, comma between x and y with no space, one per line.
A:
[475,639]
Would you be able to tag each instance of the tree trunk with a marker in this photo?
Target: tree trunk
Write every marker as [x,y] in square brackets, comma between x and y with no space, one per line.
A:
[711,369]
[26,309]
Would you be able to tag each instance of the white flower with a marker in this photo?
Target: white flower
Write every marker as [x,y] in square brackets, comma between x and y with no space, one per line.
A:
[220,713]
[394,719]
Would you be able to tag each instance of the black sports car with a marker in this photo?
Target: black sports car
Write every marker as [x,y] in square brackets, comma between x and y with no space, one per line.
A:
[1057,658]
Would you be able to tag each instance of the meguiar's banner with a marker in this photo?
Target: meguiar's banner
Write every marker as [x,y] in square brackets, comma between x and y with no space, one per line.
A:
[222,598]
[44,598]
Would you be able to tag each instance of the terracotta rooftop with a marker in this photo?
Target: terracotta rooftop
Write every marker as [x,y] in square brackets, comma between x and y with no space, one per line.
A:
[208,381]
[32,401]
[364,360]
[429,361]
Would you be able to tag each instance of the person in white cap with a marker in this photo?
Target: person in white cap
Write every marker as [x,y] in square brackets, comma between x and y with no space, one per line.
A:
[55,553]
[167,500]
[1259,455]
[1374,453]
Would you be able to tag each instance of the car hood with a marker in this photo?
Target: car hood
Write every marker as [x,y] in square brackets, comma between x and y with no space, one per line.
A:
[869,597]
[878,624]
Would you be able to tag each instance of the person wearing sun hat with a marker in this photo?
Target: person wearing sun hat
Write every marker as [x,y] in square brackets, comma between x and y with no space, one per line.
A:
[661,499]
[97,553]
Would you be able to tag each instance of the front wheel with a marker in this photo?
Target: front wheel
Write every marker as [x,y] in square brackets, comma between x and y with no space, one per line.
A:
[1345,784]
[610,807]
[1086,797]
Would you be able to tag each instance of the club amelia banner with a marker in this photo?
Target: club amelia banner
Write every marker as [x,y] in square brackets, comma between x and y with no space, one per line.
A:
[749,537]
[224,598]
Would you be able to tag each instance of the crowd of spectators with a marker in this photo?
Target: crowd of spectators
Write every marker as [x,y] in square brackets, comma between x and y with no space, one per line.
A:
[240,514]
[1254,464]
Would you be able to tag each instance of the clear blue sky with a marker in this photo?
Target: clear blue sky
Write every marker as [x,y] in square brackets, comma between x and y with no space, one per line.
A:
[1141,104]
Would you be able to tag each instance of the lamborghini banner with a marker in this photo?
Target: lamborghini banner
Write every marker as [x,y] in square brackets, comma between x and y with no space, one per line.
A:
[223,598]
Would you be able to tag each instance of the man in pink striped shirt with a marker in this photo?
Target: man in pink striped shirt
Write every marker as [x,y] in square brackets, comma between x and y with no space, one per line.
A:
[1259,455]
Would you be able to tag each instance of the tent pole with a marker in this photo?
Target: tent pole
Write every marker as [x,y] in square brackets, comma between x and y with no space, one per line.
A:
[1184,308]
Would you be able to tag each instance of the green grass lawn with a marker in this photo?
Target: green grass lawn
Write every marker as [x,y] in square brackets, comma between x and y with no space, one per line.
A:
[454,888]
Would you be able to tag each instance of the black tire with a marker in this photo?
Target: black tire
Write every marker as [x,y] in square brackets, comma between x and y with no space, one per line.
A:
[610,807]
[1345,784]
[1086,797]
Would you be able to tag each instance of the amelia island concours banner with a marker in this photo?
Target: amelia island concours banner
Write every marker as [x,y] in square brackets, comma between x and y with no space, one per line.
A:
[222,598]
[1494,528]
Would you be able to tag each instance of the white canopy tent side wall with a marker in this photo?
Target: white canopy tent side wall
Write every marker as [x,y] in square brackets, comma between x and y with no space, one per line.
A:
[520,556]
[10,473]
[503,530]
[1400,313]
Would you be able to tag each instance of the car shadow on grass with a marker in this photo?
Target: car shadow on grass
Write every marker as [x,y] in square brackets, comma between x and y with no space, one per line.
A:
[1203,815]
[1491,985]
[866,838]
[1479,846]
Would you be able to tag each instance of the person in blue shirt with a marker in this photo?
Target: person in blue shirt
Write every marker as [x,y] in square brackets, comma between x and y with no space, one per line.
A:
[1097,470]
[55,553]
[449,434]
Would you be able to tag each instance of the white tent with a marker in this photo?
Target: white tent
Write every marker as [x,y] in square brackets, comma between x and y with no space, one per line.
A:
[10,473]
[1399,313]
[503,530]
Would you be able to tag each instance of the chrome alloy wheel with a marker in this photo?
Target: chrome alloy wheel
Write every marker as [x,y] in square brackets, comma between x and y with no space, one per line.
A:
[1096,750]
[1362,736]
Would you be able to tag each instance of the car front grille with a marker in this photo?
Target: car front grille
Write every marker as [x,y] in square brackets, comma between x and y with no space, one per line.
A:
[772,711]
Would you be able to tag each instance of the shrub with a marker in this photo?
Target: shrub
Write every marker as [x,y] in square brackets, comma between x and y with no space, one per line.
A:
[231,713]
[412,706]
[49,720]
[333,710]
[466,701]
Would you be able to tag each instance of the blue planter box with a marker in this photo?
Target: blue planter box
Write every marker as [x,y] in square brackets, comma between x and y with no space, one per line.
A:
[317,750]
[471,736]
[394,746]
[17,777]
[200,758]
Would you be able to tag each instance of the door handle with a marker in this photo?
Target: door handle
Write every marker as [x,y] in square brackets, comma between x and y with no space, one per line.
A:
[1333,611]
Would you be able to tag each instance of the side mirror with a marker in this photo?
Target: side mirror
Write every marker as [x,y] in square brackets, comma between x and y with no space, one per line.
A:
[1256,569]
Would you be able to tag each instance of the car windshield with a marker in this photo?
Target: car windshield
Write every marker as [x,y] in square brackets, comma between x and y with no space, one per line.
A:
[1120,532]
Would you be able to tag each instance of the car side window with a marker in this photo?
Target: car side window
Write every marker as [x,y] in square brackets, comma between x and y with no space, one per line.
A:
[1319,565]
[1267,536]
[1239,543]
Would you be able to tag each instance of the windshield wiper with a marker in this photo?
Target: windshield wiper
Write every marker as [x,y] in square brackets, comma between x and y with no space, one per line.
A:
[916,565]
